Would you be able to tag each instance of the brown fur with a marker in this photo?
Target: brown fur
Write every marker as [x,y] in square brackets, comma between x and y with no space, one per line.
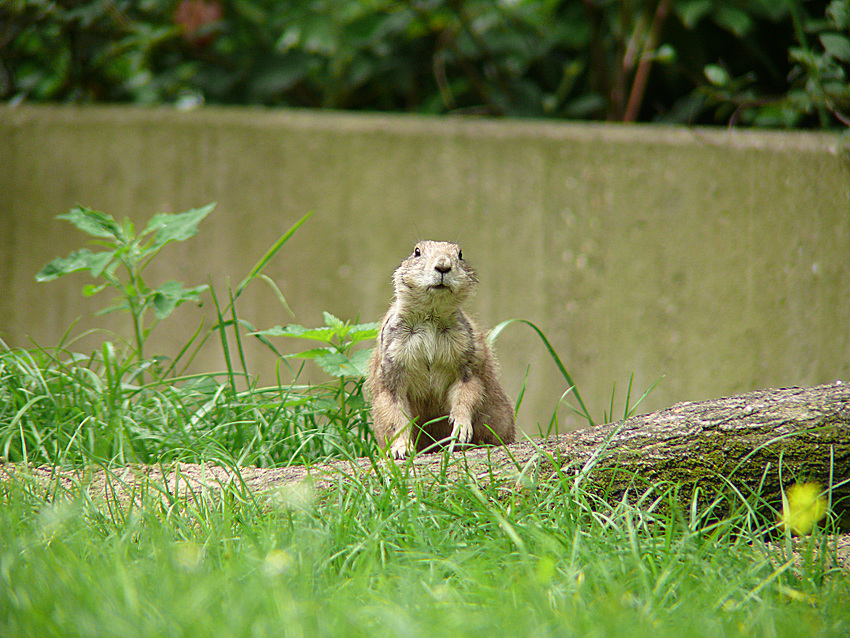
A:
[432,374]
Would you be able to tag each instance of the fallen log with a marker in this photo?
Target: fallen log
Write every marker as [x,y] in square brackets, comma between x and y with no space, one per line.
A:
[759,442]
[755,444]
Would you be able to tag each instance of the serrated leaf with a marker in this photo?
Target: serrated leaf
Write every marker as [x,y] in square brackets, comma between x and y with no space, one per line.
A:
[171,294]
[93,222]
[78,260]
[361,332]
[353,334]
[837,45]
[336,364]
[360,361]
[332,321]
[299,332]
[176,227]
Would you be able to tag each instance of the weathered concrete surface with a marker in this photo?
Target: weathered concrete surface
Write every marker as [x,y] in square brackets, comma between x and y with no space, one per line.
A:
[715,258]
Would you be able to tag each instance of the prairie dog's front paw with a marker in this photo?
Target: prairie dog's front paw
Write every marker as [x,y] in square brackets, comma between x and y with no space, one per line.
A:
[462,430]
[400,448]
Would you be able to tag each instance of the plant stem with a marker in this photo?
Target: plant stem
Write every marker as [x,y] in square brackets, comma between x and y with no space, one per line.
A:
[642,73]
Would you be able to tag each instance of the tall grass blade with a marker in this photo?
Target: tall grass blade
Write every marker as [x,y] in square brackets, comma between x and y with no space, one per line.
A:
[497,330]
[270,253]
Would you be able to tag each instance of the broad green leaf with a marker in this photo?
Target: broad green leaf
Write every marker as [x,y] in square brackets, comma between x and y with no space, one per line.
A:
[717,75]
[839,13]
[360,361]
[93,222]
[837,45]
[361,332]
[337,364]
[352,334]
[78,260]
[734,20]
[690,13]
[99,261]
[171,294]
[177,227]
[129,230]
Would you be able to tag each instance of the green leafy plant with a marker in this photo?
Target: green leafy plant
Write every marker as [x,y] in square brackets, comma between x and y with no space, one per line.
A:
[342,401]
[336,357]
[62,407]
[121,265]
[814,87]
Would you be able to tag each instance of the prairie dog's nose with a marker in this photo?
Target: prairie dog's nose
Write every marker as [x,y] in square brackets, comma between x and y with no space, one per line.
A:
[443,264]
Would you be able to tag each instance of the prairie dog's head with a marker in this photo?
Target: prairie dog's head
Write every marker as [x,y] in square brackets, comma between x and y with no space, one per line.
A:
[434,276]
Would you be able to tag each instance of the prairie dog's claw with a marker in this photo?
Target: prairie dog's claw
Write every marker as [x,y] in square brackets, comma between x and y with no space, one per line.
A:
[399,449]
[462,431]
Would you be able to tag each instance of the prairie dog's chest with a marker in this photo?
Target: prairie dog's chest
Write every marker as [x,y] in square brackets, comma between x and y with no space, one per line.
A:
[427,345]
[430,355]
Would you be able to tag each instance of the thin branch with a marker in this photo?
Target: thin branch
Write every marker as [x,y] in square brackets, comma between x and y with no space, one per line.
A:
[642,73]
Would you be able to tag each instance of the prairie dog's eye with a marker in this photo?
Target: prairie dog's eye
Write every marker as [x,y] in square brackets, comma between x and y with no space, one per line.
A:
[460,254]
[417,252]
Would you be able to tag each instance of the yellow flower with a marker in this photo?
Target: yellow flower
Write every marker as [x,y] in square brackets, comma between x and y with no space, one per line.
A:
[803,505]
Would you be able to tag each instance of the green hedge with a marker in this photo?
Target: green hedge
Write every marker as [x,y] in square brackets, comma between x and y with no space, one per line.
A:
[758,62]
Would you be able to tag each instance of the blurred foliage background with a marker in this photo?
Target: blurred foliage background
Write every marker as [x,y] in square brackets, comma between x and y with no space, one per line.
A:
[769,63]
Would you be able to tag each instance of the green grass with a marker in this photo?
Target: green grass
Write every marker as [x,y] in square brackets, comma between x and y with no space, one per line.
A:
[58,407]
[388,554]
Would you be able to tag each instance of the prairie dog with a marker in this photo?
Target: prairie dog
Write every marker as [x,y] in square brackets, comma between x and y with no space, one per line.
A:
[432,374]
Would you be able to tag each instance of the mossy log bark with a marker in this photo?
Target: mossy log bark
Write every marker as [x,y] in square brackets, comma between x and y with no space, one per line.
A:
[753,440]
[757,442]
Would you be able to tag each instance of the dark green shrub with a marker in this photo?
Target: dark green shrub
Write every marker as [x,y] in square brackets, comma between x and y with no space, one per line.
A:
[760,62]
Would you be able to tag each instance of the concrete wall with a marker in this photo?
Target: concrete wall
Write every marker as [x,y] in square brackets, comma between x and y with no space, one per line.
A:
[717,259]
